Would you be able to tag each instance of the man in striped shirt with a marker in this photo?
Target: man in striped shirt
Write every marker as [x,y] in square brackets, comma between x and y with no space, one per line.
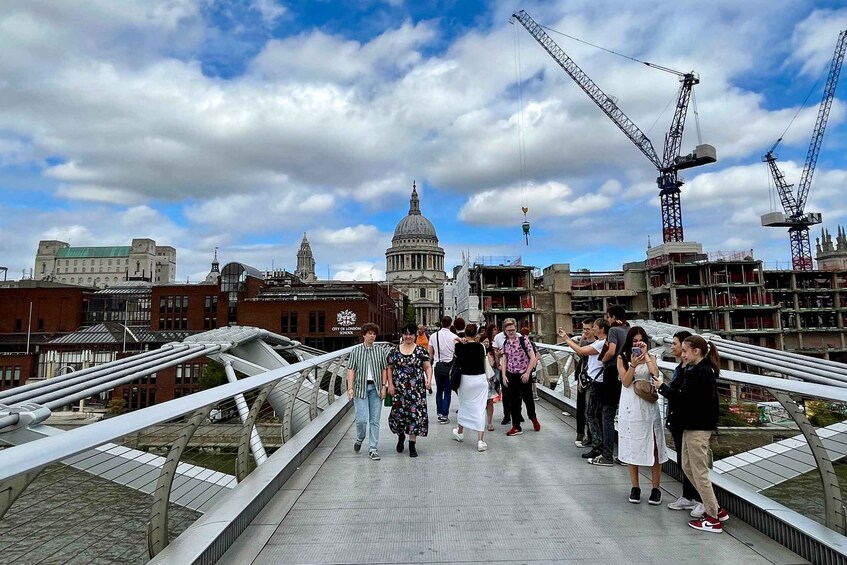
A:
[367,379]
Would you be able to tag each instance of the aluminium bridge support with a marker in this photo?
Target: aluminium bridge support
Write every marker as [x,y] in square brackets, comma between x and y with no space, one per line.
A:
[833,504]
[157,527]
[243,412]
[242,467]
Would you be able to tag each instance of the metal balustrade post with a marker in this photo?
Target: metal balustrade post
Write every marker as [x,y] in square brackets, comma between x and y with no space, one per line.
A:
[242,468]
[316,389]
[832,500]
[12,488]
[287,424]
[339,371]
[255,441]
[157,526]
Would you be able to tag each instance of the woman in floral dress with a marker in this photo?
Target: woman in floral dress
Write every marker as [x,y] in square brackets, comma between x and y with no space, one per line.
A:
[409,377]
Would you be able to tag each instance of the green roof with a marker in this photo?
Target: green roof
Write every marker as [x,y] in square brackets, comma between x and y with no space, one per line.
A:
[84,252]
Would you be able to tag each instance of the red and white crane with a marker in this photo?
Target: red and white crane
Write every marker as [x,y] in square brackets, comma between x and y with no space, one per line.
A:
[795,218]
[670,162]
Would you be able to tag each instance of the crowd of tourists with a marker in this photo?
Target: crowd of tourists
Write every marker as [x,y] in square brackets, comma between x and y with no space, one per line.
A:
[618,384]
[482,365]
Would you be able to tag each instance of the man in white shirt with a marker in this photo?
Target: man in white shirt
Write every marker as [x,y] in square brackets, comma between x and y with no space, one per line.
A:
[593,400]
[442,345]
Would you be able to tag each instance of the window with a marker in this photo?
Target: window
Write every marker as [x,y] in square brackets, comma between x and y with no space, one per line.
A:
[321,322]
[313,322]
[17,324]
[423,293]
[41,324]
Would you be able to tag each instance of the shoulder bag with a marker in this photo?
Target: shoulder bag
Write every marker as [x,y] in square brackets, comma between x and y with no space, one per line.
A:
[645,390]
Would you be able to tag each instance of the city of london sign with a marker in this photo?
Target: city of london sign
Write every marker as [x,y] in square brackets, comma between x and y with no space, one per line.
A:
[346,323]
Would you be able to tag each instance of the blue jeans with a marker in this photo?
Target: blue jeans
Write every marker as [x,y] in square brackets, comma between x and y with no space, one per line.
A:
[368,410]
[443,394]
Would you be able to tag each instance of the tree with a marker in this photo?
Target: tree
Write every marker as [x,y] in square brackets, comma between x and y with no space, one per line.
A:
[409,313]
[212,375]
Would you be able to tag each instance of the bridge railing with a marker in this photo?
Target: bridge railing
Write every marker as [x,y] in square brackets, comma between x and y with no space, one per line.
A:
[120,489]
[776,452]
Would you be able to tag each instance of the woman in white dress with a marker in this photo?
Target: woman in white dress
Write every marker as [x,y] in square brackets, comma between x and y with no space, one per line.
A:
[641,436]
[473,390]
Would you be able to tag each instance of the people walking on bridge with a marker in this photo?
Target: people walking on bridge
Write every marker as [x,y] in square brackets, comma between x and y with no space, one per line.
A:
[533,378]
[422,339]
[367,380]
[493,393]
[517,362]
[497,338]
[409,377]
[696,413]
[441,348]
[618,328]
[473,389]
[641,435]
[583,381]
[593,402]
[689,500]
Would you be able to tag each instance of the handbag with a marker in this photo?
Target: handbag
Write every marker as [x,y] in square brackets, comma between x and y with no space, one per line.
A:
[489,371]
[455,375]
[645,390]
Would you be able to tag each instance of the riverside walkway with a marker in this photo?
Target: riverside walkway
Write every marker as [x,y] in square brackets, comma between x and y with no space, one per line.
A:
[528,499]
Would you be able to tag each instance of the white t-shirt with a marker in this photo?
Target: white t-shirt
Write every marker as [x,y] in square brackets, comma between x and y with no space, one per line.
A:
[499,340]
[443,343]
[595,364]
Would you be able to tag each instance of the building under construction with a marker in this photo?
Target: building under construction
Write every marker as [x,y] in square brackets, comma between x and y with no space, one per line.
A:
[730,294]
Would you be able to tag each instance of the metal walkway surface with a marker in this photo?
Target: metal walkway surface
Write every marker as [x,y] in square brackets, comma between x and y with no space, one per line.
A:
[528,499]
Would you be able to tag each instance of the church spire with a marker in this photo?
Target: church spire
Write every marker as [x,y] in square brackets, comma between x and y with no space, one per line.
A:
[414,202]
[215,271]
[305,262]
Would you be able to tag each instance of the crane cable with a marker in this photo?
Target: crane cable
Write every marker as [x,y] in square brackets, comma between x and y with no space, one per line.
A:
[801,108]
[651,65]
[521,139]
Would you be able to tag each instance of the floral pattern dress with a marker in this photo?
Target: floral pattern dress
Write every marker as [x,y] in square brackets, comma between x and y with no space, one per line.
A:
[408,412]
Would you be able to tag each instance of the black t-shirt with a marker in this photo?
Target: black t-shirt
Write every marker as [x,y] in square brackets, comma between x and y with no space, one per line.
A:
[471,358]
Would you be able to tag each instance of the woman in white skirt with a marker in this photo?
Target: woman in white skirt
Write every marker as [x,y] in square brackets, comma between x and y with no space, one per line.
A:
[641,435]
[473,390]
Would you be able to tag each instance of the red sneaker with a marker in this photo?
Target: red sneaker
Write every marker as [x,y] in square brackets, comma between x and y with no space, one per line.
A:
[536,425]
[723,515]
[514,432]
[707,524]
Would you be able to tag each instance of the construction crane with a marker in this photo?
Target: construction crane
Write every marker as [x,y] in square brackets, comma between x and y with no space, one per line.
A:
[795,218]
[671,162]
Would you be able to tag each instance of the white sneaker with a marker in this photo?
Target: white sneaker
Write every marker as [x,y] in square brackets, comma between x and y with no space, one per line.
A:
[682,503]
[481,445]
[458,436]
[699,511]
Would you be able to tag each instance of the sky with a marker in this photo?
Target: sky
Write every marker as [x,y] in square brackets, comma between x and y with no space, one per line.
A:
[242,125]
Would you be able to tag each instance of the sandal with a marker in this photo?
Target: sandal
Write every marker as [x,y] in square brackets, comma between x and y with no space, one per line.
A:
[490,427]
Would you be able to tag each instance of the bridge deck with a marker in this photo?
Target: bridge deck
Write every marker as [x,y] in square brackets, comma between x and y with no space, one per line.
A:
[527,499]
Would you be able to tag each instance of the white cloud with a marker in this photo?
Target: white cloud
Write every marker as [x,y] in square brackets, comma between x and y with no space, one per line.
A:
[359,271]
[270,10]
[349,236]
[548,200]
[113,104]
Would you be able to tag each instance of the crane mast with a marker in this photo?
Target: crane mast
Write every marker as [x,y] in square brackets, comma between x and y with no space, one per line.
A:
[795,218]
[671,162]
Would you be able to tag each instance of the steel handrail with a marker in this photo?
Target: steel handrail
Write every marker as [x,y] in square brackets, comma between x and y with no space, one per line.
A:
[26,457]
